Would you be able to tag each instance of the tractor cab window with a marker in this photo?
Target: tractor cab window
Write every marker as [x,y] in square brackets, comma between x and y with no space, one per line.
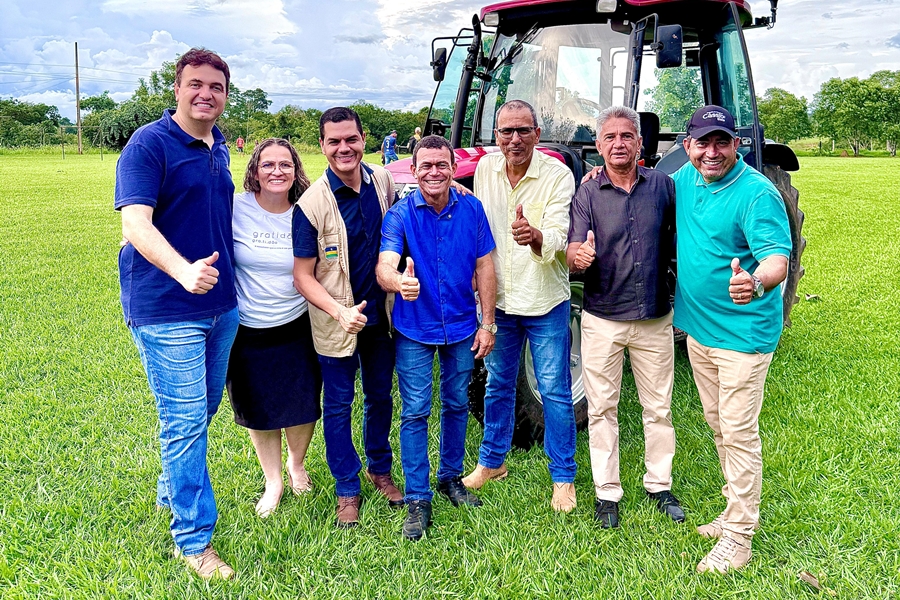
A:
[568,73]
[734,73]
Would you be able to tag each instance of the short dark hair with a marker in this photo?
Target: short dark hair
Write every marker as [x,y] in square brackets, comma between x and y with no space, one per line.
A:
[301,181]
[433,142]
[517,105]
[201,56]
[338,114]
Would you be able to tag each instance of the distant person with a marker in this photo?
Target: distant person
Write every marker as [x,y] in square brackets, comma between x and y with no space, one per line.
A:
[174,191]
[447,241]
[732,227]
[621,237]
[240,144]
[520,187]
[389,148]
[414,139]
[274,380]
[336,237]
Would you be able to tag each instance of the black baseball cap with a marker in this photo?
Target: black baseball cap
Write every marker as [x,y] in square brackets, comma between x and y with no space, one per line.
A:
[708,119]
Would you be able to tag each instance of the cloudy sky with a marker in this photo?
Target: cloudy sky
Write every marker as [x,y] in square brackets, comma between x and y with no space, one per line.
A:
[319,53]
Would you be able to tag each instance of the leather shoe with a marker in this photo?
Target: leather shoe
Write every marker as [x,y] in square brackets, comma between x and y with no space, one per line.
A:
[384,485]
[563,499]
[348,511]
[668,504]
[457,493]
[417,520]
[482,474]
[607,512]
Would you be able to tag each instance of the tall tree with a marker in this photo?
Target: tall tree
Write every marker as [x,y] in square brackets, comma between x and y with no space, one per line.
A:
[676,96]
[98,103]
[848,109]
[784,116]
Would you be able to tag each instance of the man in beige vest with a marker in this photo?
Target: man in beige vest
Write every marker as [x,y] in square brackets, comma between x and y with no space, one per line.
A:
[336,238]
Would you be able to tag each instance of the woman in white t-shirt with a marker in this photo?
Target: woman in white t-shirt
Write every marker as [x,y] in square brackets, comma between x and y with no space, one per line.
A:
[274,382]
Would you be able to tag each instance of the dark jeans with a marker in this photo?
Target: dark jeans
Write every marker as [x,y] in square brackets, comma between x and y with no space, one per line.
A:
[374,357]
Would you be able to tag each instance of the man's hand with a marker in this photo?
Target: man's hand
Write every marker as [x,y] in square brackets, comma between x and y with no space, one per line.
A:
[409,284]
[352,319]
[460,188]
[592,174]
[521,230]
[484,343]
[586,253]
[741,285]
[200,276]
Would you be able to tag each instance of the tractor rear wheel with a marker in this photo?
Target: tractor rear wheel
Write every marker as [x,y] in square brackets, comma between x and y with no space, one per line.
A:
[790,196]
[529,420]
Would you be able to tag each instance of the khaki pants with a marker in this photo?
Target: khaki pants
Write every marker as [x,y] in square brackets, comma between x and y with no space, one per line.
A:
[652,353]
[731,389]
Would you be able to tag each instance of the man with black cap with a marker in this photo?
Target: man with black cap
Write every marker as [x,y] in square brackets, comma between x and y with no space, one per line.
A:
[733,233]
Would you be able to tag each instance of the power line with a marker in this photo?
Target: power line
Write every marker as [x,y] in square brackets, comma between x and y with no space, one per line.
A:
[73,66]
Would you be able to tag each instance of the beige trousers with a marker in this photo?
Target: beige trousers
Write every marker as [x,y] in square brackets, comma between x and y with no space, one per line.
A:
[652,354]
[731,386]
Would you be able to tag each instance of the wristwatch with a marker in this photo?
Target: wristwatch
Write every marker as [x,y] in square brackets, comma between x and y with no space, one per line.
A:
[491,328]
[758,289]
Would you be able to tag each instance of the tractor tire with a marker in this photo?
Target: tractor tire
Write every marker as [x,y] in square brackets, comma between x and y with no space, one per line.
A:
[790,196]
[529,420]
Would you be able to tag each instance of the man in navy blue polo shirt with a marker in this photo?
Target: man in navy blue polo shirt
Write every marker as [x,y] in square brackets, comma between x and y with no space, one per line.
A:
[622,235]
[336,236]
[174,190]
[446,239]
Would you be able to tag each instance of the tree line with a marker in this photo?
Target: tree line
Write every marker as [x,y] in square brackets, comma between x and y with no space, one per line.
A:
[861,113]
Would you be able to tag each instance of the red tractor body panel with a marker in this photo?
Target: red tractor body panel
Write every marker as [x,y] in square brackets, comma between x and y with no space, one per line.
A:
[466,161]
[500,7]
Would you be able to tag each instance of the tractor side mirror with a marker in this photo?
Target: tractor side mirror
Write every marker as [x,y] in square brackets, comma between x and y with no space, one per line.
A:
[668,46]
[439,64]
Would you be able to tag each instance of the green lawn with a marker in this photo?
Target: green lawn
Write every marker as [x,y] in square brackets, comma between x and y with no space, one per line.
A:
[79,456]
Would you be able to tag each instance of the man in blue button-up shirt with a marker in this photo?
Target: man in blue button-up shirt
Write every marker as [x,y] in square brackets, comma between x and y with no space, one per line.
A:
[447,241]
[622,236]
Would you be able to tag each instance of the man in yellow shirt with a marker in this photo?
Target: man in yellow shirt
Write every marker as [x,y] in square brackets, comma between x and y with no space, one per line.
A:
[526,197]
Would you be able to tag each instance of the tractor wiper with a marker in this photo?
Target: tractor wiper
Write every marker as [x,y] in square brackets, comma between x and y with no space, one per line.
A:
[516,48]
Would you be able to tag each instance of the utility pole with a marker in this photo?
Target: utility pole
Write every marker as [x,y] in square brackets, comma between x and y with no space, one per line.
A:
[77,100]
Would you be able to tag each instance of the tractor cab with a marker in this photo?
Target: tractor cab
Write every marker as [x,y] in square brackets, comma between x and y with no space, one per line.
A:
[570,59]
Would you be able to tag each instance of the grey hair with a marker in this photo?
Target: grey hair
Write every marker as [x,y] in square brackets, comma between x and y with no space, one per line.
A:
[517,105]
[619,112]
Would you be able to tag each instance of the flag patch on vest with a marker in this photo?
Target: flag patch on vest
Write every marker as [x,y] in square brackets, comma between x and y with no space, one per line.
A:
[331,252]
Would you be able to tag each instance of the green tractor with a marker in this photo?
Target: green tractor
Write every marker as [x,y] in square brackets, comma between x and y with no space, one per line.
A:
[570,59]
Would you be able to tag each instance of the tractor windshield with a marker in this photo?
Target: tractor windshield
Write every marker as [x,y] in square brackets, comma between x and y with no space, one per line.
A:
[568,73]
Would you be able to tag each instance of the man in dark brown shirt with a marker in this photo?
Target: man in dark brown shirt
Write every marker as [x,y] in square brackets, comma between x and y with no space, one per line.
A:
[622,236]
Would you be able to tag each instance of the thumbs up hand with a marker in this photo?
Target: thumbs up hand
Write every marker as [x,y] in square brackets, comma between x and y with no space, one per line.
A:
[586,253]
[409,284]
[521,230]
[740,286]
[200,276]
[351,318]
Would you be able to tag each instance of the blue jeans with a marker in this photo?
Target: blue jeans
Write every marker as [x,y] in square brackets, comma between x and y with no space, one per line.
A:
[414,375]
[390,157]
[186,364]
[374,357]
[548,336]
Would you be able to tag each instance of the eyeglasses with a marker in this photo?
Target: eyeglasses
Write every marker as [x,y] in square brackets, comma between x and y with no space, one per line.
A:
[269,167]
[441,166]
[507,132]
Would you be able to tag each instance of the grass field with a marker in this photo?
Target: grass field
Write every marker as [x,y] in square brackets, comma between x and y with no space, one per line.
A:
[79,454]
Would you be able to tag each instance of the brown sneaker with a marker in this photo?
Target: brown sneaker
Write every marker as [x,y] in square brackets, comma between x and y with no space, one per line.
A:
[563,497]
[347,512]
[384,485]
[716,528]
[481,475]
[729,554]
[713,529]
[207,564]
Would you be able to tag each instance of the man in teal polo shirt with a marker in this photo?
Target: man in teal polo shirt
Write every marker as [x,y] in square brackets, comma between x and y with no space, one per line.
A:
[733,247]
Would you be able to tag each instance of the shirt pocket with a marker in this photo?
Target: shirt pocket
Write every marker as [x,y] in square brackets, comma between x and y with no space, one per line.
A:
[330,251]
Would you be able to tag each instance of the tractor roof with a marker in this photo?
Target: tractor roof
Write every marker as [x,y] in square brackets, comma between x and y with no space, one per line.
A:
[692,5]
